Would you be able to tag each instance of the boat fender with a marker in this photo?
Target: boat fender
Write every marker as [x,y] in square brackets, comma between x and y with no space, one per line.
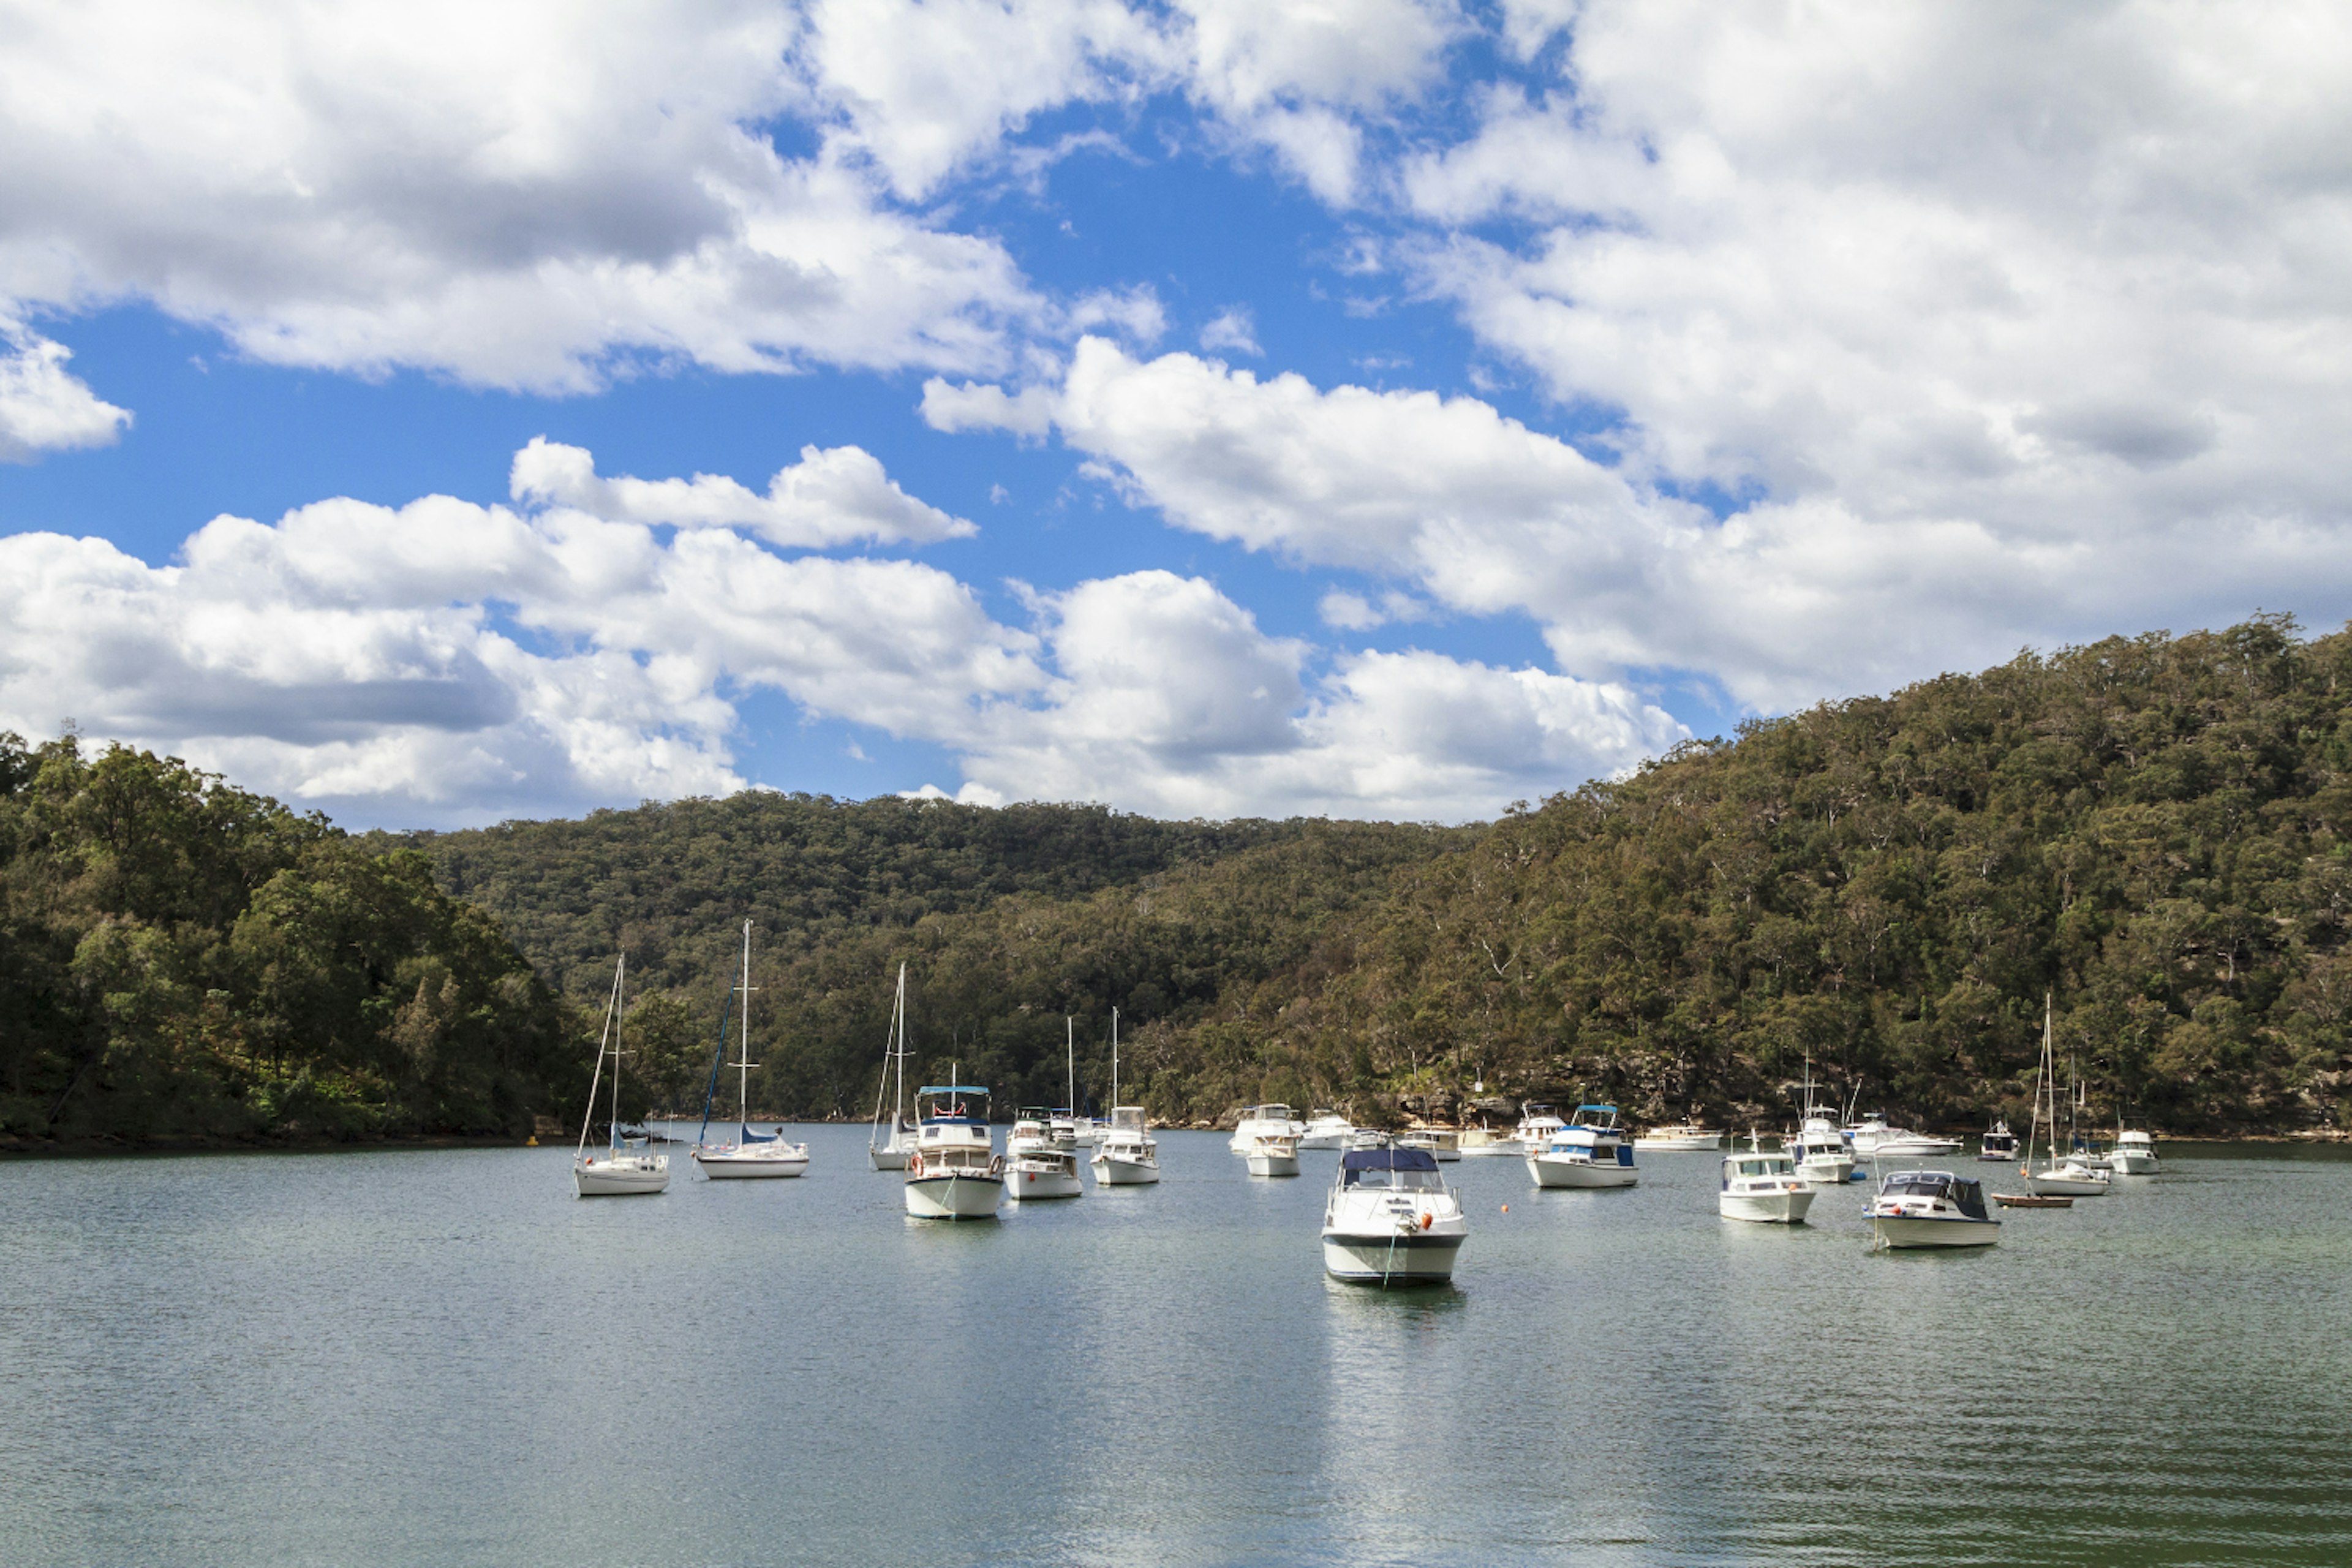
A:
[1425,1217]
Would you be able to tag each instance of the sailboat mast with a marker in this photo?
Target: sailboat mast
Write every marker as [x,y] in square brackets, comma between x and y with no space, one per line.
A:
[1070,1041]
[899,1112]
[743,1063]
[603,1038]
[1114,1059]
[620,997]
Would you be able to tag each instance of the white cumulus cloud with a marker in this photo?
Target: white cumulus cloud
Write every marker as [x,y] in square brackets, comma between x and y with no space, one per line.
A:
[43,407]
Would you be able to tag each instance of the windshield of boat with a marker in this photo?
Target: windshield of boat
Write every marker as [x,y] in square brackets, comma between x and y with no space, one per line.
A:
[1408,1170]
[1967,1195]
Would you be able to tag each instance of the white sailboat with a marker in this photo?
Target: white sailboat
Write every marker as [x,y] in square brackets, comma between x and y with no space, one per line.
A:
[626,1169]
[1069,1129]
[2070,1177]
[1128,1156]
[752,1155]
[891,1153]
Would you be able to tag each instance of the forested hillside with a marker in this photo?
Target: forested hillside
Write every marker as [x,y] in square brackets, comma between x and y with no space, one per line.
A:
[182,961]
[2152,831]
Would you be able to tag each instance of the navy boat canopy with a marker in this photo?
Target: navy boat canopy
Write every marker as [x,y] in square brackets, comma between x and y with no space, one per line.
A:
[1388,1160]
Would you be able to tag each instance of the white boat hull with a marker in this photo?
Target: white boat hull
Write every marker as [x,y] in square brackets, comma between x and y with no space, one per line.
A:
[1552,1173]
[1766,1208]
[960,1194]
[1273,1165]
[1826,1173]
[1113,1173]
[1325,1140]
[622,1178]
[748,1165]
[1652,1144]
[1423,1258]
[887,1159]
[1505,1147]
[1910,1148]
[2041,1184]
[2128,1163]
[1025,1186]
[1934,1230]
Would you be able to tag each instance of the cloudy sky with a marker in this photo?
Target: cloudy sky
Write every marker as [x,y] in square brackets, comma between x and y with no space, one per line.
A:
[435,413]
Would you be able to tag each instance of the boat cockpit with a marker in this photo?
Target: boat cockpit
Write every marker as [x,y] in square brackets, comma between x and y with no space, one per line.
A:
[1962,1192]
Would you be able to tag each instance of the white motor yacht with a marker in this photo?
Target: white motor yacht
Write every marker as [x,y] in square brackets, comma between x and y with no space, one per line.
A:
[1041,1171]
[1932,1208]
[1763,1186]
[1588,1151]
[1873,1139]
[1821,1155]
[955,1172]
[1537,1125]
[1444,1142]
[1265,1121]
[1998,1145]
[1326,1128]
[624,1169]
[1681,1137]
[1128,1156]
[1483,1142]
[1391,1219]
[2134,1154]
[1273,1156]
[749,1155]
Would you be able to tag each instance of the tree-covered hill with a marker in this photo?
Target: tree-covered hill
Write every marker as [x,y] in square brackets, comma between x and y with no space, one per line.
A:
[183,960]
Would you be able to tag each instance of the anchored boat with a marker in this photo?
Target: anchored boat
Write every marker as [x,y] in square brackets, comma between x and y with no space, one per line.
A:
[751,1154]
[1391,1219]
[955,1172]
[626,1169]
[1588,1151]
[1932,1208]
[1272,1156]
[1763,1186]
[891,1153]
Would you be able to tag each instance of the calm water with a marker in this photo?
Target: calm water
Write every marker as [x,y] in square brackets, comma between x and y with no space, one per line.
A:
[444,1357]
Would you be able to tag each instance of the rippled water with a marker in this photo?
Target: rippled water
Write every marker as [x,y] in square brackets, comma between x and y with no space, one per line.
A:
[444,1357]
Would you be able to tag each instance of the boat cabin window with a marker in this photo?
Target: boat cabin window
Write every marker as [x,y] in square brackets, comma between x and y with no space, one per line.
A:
[1753,1168]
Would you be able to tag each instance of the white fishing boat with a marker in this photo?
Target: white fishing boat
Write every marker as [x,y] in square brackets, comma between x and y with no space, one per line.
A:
[1763,1186]
[1680,1137]
[1588,1151]
[1325,1129]
[1998,1145]
[1264,1121]
[1037,1167]
[748,1155]
[1127,1155]
[1273,1155]
[1444,1142]
[2057,1178]
[626,1168]
[1391,1218]
[2134,1154]
[1931,1208]
[890,1150]
[955,1172]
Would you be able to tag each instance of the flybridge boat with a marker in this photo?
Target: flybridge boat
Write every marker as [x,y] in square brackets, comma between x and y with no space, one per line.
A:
[1820,1152]
[1590,1151]
[1537,1125]
[624,1169]
[750,1155]
[1763,1186]
[1871,1138]
[1678,1138]
[1265,1121]
[955,1172]
[2134,1154]
[1391,1219]
[1128,1156]
[1998,1145]
[1932,1208]
[1326,1128]
[1037,1163]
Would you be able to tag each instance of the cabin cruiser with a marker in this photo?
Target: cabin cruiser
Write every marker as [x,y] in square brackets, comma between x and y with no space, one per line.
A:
[1041,1171]
[1481,1142]
[1272,1156]
[1871,1138]
[1820,1152]
[1128,1156]
[1537,1125]
[1265,1121]
[1391,1218]
[1326,1128]
[1068,1130]
[1998,1145]
[2134,1154]
[1679,1137]
[1032,1132]
[1443,1141]
[955,1172]
[1763,1186]
[1932,1208]
[1588,1151]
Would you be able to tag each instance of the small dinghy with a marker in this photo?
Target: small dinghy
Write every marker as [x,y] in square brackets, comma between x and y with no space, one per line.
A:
[2030,1201]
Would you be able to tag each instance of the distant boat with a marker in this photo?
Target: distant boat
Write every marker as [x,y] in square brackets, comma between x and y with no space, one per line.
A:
[1127,1155]
[2134,1154]
[1443,1141]
[1391,1218]
[1821,1150]
[626,1169]
[1588,1151]
[890,1154]
[1999,1143]
[1537,1125]
[752,1155]
[954,1172]
[1325,1129]
[1680,1137]
[1265,1121]
[1037,1164]
[1272,1156]
[1763,1186]
[2070,1177]
[1932,1208]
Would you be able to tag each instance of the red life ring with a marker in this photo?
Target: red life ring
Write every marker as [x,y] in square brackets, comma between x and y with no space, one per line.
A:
[915,1164]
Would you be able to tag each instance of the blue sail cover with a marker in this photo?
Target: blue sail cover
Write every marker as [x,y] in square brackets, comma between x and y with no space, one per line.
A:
[745,1134]
[1388,1160]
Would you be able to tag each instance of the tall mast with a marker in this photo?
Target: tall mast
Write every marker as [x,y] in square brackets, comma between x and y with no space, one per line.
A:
[1114,1058]
[620,997]
[603,1039]
[1070,1039]
[743,1064]
[899,1110]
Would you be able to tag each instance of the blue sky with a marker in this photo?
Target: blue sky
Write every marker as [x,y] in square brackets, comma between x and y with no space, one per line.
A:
[1376,409]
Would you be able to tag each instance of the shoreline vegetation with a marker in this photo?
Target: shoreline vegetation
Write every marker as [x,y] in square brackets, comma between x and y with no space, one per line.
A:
[2157,831]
